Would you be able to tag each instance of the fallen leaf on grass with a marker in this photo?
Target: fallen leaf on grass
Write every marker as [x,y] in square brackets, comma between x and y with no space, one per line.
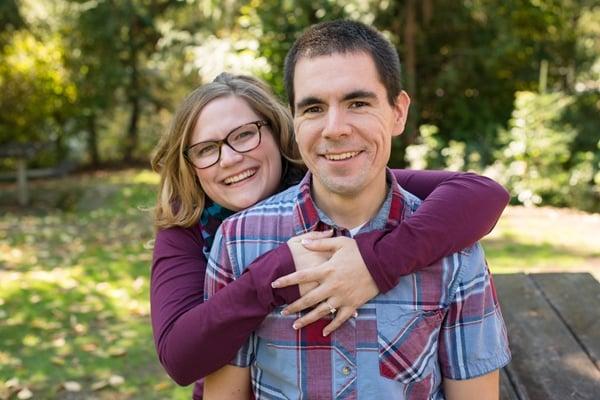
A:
[159,387]
[89,347]
[12,382]
[5,393]
[116,380]
[24,394]
[58,360]
[99,385]
[72,386]
[59,341]
[117,351]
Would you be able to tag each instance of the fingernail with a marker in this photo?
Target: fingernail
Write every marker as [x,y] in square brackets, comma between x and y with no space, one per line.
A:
[284,312]
[306,241]
[325,334]
[275,284]
[295,327]
[355,315]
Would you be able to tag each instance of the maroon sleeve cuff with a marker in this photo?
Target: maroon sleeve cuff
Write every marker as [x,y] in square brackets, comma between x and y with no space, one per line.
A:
[366,245]
[269,267]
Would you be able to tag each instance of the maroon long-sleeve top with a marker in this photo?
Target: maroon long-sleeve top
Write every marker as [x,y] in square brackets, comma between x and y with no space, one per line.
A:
[194,338]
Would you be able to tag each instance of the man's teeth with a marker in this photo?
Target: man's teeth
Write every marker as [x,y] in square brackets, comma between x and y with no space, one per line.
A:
[240,177]
[341,156]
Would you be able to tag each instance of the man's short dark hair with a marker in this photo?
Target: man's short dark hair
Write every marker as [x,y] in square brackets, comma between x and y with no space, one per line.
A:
[344,36]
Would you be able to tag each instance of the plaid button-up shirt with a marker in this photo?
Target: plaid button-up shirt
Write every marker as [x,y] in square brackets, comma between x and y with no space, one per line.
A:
[442,321]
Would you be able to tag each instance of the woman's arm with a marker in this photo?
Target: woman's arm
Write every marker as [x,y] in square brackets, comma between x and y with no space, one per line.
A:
[193,338]
[458,210]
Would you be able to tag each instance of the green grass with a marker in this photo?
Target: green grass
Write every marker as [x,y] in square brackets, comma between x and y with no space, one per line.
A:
[74,271]
[544,239]
[74,281]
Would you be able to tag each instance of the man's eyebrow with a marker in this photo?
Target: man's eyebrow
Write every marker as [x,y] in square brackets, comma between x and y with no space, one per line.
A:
[356,94]
[308,101]
[359,94]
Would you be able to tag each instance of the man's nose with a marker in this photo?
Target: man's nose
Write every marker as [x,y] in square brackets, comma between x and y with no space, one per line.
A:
[229,156]
[336,124]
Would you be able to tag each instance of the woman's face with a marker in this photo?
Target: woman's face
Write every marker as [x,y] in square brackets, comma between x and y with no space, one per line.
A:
[238,180]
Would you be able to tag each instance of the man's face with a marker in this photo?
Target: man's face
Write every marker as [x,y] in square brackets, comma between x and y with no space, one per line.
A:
[344,123]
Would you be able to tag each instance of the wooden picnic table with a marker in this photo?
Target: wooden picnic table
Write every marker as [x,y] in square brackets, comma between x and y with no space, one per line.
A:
[553,322]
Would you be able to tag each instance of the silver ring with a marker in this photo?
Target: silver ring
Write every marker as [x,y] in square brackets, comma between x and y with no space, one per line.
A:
[332,310]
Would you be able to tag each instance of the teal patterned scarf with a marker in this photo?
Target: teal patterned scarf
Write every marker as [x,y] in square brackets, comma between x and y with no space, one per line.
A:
[210,220]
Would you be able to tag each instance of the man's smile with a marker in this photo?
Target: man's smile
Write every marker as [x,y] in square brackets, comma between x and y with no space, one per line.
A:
[341,156]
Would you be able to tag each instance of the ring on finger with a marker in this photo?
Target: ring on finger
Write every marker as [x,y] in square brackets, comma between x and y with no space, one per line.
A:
[332,310]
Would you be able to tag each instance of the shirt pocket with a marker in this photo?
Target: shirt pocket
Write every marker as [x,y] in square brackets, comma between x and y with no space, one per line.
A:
[407,341]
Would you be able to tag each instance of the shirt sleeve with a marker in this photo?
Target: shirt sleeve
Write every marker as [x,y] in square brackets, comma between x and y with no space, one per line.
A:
[458,209]
[473,338]
[194,338]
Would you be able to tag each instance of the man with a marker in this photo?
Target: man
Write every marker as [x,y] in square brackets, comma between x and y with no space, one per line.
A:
[439,333]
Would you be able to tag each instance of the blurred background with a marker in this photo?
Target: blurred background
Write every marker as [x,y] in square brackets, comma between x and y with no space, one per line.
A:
[506,88]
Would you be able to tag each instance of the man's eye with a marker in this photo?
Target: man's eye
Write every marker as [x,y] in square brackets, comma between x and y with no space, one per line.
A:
[312,110]
[358,104]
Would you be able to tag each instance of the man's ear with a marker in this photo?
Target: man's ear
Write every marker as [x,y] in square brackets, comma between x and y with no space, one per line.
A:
[400,113]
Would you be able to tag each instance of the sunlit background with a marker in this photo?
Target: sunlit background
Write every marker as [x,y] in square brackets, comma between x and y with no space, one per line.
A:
[506,88]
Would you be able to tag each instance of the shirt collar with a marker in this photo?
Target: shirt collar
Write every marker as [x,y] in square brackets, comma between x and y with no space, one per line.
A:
[308,217]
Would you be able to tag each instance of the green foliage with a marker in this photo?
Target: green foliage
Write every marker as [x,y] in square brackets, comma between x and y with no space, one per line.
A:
[276,24]
[105,76]
[36,91]
[538,151]
[10,18]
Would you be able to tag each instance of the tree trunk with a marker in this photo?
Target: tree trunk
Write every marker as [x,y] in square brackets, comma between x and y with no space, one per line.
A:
[92,140]
[132,131]
[134,100]
[427,12]
[410,63]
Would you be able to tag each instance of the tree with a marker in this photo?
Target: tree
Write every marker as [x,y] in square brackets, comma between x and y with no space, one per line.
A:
[36,91]
[112,43]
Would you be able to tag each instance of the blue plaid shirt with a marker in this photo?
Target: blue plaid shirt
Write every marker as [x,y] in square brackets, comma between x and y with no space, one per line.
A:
[442,321]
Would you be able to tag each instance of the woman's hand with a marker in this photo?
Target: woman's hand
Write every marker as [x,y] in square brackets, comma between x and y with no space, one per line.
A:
[305,259]
[344,282]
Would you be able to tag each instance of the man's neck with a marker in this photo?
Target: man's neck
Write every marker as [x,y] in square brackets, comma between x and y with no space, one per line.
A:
[350,210]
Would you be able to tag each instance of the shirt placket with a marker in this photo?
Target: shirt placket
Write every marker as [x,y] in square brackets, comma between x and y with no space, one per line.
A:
[344,346]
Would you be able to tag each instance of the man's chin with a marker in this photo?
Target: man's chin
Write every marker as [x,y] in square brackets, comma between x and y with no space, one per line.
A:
[343,187]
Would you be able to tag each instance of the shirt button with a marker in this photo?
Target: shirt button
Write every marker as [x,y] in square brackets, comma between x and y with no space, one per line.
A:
[346,371]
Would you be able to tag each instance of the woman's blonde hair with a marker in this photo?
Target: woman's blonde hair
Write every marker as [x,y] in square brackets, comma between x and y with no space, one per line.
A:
[180,198]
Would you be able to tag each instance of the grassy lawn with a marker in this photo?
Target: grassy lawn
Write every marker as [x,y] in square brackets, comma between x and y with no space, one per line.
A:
[544,239]
[74,276]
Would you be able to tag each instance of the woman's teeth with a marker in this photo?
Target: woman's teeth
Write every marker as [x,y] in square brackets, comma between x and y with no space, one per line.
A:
[341,156]
[240,177]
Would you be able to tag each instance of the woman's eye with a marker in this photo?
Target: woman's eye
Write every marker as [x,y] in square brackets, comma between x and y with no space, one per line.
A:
[243,135]
[205,151]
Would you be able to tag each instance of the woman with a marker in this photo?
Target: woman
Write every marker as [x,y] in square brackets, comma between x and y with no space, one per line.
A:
[231,145]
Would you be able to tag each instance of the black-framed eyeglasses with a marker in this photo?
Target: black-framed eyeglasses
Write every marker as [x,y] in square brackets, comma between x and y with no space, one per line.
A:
[242,139]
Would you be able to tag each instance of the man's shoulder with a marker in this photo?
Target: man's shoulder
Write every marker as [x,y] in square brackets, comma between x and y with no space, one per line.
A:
[411,202]
[465,265]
